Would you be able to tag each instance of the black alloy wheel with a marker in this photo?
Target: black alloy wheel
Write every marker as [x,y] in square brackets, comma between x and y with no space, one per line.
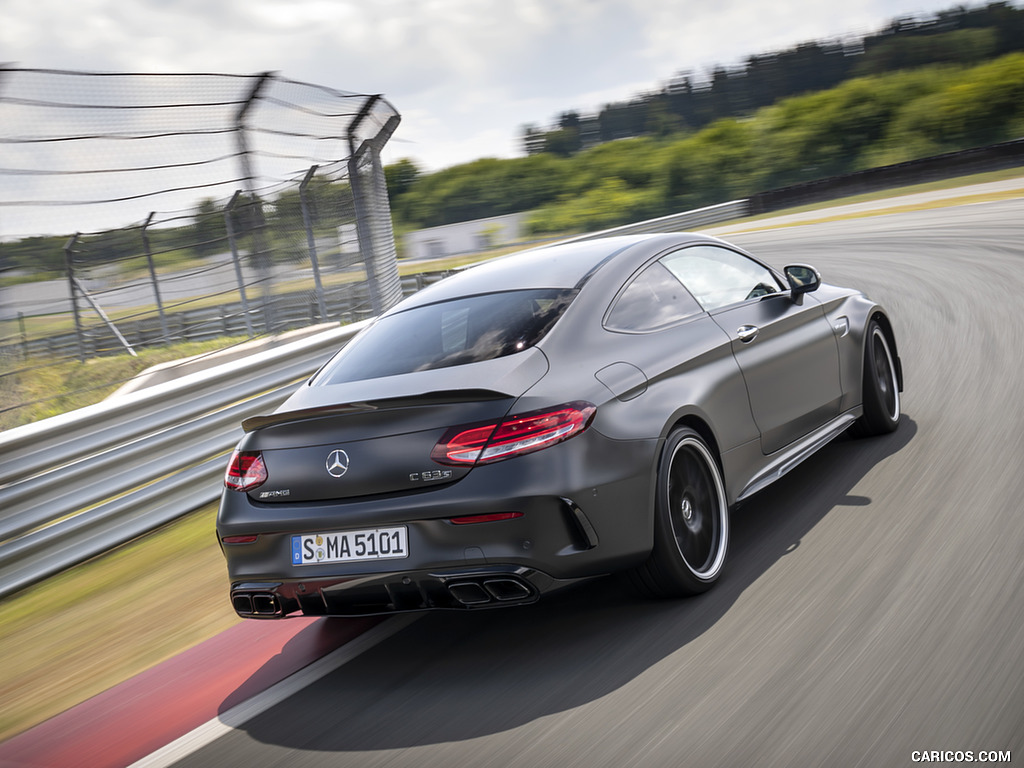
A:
[691,520]
[881,390]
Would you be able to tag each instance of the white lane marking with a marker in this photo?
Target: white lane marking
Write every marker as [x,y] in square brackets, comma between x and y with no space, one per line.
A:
[223,724]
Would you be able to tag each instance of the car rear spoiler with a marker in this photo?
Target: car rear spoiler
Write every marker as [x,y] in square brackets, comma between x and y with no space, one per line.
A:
[445,397]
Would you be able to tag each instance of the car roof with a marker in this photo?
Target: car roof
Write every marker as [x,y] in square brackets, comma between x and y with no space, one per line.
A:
[564,265]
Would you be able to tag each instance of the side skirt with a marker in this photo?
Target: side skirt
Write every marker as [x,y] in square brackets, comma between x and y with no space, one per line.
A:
[788,458]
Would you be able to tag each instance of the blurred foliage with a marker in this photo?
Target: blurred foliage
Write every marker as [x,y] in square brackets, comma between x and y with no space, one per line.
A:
[607,204]
[960,35]
[963,46]
[401,176]
[40,255]
[861,123]
[983,106]
[482,188]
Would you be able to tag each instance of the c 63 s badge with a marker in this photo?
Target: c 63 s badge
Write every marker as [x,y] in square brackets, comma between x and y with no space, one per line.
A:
[430,475]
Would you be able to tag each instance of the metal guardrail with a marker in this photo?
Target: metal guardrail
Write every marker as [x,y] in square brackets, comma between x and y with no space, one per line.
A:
[77,485]
[676,222]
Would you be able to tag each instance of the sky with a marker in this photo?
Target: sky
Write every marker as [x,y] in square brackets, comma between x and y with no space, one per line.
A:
[465,75]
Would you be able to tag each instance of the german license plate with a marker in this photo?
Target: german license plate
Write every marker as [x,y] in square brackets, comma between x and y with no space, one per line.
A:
[350,546]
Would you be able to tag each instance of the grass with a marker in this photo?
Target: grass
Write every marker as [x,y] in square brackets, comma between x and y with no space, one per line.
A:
[740,225]
[986,197]
[10,282]
[54,387]
[934,186]
[81,632]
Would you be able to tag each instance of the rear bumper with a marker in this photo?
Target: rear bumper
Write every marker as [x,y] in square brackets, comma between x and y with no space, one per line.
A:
[580,509]
[457,589]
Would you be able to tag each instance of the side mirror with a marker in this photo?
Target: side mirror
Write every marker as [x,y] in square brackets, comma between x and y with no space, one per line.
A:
[802,279]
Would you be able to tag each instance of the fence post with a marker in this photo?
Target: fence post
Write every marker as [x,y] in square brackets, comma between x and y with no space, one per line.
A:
[233,241]
[360,202]
[373,214]
[152,274]
[72,285]
[24,335]
[311,242]
[256,223]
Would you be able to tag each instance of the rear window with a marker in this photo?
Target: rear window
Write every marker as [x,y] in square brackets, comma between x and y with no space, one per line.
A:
[449,333]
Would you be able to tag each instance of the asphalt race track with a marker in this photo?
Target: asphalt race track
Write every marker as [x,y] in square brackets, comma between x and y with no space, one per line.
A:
[872,608]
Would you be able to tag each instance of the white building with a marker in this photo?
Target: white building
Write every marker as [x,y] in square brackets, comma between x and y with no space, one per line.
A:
[464,237]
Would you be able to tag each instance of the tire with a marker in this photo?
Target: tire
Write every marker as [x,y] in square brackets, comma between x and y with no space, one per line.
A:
[881,390]
[691,520]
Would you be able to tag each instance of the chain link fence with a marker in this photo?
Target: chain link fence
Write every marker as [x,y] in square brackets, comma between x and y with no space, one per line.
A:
[148,209]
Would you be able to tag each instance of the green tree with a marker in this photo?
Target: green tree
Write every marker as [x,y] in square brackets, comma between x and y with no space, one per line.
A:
[563,142]
[34,254]
[608,204]
[980,106]
[400,177]
[962,46]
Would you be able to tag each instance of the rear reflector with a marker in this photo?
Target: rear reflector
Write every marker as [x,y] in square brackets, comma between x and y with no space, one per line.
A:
[246,471]
[239,539]
[513,436]
[470,519]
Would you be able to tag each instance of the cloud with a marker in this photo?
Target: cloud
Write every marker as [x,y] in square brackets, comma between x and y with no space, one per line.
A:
[465,74]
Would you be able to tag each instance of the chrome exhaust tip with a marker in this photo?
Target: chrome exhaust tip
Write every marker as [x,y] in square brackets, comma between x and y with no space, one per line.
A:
[469,593]
[242,603]
[265,604]
[507,590]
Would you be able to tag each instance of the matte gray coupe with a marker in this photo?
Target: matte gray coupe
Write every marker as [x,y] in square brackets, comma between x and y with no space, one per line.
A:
[552,415]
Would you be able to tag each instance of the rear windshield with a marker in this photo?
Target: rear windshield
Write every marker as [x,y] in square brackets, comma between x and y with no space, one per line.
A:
[457,332]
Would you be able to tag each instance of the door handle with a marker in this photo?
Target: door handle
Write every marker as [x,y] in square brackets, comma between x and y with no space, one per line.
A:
[747,333]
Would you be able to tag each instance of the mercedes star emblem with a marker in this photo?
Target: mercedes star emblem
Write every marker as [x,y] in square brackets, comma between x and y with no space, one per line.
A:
[337,463]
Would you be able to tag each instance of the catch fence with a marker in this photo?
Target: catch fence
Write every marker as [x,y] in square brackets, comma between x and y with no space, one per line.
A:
[169,207]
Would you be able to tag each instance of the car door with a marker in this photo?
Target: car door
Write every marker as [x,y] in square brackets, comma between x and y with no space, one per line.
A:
[785,350]
[665,346]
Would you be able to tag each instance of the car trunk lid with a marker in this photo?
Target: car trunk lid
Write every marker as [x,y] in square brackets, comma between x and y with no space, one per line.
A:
[375,437]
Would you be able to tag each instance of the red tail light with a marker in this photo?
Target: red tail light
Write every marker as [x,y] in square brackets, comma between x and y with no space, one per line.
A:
[246,471]
[513,436]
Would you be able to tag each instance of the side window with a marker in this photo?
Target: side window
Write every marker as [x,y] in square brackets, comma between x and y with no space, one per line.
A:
[718,276]
[655,299]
